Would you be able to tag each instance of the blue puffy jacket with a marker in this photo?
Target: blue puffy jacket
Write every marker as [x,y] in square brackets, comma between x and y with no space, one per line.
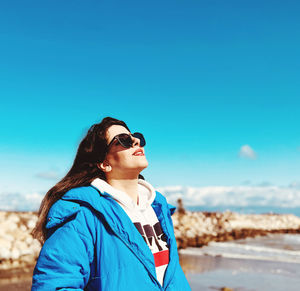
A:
[93,245]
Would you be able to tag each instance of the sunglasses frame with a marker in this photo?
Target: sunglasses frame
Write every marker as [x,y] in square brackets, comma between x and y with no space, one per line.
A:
[136,135]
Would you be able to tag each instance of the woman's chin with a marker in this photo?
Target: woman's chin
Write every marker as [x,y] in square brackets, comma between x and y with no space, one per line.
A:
[143,166]
[142,162]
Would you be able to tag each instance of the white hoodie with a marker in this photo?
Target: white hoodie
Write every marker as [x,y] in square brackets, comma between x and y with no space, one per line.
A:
[144,218]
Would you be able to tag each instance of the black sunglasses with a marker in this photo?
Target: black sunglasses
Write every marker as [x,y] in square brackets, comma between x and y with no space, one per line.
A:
[126,141]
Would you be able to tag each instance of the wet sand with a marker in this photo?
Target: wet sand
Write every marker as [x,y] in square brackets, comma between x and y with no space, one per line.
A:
[17,286]
[16,280]
[207,273]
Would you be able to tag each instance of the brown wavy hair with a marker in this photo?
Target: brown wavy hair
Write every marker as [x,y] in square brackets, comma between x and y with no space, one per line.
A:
[91,151]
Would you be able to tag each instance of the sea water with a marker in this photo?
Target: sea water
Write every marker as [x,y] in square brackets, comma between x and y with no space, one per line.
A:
[263,263]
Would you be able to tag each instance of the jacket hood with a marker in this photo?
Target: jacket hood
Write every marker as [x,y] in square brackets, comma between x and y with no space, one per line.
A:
[145,191]
[88,196]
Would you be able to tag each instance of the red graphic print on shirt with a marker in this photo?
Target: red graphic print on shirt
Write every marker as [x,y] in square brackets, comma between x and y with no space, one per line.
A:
[156,240]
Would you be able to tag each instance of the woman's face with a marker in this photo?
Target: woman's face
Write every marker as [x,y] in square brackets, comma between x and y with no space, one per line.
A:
[123,162]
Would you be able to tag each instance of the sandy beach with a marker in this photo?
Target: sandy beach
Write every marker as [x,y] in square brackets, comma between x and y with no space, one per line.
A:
[214,273]
[16,279]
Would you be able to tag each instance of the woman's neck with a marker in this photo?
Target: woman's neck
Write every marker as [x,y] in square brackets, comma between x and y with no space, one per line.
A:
[129,186]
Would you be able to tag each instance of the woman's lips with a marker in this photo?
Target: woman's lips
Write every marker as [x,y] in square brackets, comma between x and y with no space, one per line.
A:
[138,152]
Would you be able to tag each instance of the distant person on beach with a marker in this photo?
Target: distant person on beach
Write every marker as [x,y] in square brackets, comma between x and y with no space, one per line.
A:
[103,227]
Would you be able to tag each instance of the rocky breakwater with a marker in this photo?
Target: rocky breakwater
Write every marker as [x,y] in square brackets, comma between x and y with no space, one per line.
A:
[18,249]
[196,229]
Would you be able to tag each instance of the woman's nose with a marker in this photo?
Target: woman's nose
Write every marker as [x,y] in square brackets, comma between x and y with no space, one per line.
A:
[136,141]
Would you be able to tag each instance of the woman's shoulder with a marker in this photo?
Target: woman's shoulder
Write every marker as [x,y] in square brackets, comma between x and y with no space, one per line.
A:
[70,205]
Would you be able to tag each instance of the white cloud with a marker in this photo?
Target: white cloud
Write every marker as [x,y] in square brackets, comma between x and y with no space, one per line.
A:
[295,184]
[48,175]
[246,183]
[247,152]
[264,184]
[210,196]
[20,202]
[237,196]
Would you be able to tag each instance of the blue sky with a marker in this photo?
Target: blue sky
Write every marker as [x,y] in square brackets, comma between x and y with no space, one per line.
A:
[200,79]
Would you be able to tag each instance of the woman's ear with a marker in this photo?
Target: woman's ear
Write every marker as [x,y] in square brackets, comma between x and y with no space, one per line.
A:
[104,166]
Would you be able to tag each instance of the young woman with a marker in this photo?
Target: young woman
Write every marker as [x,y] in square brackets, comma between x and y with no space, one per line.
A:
[103,226]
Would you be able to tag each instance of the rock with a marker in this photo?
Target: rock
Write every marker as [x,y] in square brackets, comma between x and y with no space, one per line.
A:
[15,254]
[4,253]
[17,246]
[199,228]
[29,240]
[4,243]
[31,223]
[21,246]
[23,228]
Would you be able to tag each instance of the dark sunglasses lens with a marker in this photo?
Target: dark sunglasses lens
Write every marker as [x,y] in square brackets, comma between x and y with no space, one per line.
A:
[141,138]
[125,140]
